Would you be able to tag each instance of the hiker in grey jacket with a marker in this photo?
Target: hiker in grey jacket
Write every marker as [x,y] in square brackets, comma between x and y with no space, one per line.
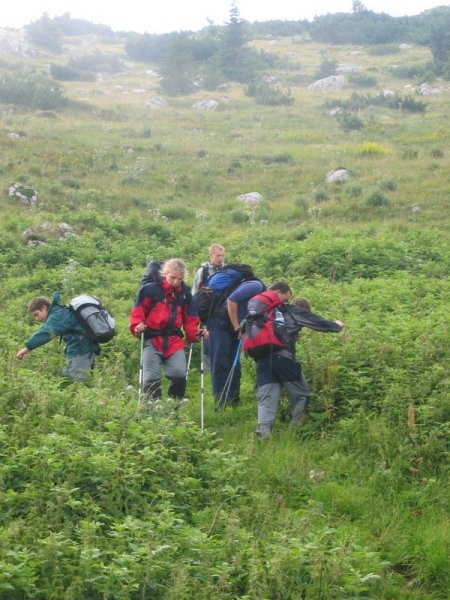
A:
[281,369]
[215,263]
[59,322]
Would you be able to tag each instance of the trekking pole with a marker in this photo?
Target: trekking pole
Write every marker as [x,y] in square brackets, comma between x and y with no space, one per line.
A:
[191,347]
[226,388]
[202,386]
[141,370]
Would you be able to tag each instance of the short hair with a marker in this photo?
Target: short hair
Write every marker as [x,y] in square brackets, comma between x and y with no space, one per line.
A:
[281,286]
[303,302]
[38,303]
[216,247]
[175,264]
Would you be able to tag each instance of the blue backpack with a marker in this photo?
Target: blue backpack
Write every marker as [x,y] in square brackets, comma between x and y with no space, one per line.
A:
[210,297]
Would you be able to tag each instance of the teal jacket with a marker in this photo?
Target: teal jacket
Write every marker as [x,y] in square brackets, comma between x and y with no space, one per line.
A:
[61,322]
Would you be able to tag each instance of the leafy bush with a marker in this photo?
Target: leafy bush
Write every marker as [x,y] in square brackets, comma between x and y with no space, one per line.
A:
[239,216]
[376,198]
[409,72]
[180,213]
[31,90]
[97,62]
[44,32]
[68,73]
[282,158]
[326,69]
[437,153]
[350,122]
[371,149]
[362,80]
[410,154]
[320,195]
[387,184]
[383,49]
[267,94]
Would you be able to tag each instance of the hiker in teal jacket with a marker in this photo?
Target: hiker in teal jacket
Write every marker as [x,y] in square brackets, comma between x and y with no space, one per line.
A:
[59,322]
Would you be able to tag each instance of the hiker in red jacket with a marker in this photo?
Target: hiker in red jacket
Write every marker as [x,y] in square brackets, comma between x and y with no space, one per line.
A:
[164,313]
[278,368]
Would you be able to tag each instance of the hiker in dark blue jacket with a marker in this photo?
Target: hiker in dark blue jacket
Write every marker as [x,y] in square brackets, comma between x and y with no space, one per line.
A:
[59,322]
[224,337]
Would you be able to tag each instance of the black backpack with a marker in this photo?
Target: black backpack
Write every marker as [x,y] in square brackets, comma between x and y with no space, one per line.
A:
[152,272]
[96,321]
[210,297]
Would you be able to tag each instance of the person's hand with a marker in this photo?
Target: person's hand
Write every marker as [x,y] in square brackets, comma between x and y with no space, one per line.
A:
[140,327]
[341,324]
[202,333]
[238,331]
[22,353]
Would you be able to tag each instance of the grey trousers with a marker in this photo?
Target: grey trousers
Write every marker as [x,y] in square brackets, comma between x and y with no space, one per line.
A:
[174,367]
[269,396]
[79,366]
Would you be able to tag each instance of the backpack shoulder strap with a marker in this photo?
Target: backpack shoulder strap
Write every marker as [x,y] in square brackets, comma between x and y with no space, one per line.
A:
[155,293]
[205,273]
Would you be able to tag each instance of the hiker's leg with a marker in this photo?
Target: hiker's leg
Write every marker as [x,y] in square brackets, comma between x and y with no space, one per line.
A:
[151,363]
[297,390]
[268,393]
[206,356]
[175,366]
[79,366]
[221,346]
[268,398]
[152,389]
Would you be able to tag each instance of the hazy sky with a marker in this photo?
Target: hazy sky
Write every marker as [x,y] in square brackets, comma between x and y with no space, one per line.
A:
[159,16]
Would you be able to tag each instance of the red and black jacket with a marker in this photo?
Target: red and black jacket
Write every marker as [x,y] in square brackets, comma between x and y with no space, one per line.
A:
[167,312]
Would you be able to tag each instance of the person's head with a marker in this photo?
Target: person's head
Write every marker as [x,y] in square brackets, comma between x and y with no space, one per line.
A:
[216,255]
[174,271]
[302,302]
[38,308]
[282,290]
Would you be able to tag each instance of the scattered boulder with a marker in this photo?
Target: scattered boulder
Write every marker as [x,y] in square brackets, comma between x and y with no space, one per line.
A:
[207,105]
[24,193]
[328,84]
[38,235]
[273,81]
[334,112]
[250,197]
[426,90]
[156,102]
[348,69]
[14,42]
[338,175]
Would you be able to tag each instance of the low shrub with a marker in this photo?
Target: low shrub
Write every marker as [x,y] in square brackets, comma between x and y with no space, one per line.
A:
[376,198]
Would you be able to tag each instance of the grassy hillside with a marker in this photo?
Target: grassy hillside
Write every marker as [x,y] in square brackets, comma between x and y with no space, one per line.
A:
[100,501]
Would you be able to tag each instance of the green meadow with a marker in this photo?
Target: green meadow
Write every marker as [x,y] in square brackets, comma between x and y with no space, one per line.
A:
[99,500]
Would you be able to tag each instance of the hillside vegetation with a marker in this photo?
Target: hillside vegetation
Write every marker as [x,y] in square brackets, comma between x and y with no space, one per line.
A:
[99,501]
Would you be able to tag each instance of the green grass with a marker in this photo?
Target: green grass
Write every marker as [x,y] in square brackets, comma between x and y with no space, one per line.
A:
[100,501]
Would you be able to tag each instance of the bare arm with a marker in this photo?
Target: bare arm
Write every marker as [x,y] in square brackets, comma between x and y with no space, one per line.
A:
[232,308]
